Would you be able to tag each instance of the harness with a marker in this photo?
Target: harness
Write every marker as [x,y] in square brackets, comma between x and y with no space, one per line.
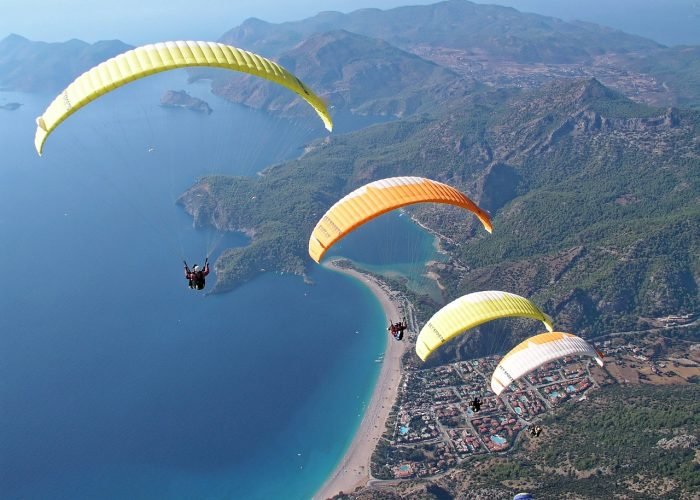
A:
[198,280]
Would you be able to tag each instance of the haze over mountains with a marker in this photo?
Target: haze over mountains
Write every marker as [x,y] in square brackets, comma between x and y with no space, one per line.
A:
[497,45]
[361,74]
[671,22]
[459,24]
[30,66]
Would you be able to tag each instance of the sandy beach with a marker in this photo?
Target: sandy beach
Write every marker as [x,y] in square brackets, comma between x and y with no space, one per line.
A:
[354,469]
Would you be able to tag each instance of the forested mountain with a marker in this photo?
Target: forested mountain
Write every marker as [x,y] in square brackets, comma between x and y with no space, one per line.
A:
[594,200]
[30,66]
[491,30]
[495,45]
[354,72]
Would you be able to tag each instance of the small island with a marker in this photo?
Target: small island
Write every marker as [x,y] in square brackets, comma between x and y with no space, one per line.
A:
[10,106]
[181,99]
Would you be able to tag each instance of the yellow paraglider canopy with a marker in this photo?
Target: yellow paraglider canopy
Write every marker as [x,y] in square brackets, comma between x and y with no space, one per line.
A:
[149,59]
[472,310]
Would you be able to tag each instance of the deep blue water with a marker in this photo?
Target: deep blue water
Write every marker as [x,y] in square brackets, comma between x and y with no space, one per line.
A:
[116,380]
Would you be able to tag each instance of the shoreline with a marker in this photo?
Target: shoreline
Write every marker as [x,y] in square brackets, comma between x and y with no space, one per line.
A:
[354,468]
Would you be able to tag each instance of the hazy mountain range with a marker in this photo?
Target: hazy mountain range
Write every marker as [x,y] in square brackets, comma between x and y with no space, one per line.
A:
[31,66]
[496,45]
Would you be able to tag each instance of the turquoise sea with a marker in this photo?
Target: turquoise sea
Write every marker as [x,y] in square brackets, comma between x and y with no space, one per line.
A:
[116,380]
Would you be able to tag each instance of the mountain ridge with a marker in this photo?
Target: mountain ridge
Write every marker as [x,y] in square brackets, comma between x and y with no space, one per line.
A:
[576,176]
[452,23]
[364,75]
[30,66]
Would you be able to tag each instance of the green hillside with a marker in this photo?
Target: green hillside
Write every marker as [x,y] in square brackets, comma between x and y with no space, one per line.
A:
[352,72]
[594,201]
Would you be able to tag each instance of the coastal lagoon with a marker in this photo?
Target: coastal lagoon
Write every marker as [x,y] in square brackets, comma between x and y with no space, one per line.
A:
[116,380]
[393,246]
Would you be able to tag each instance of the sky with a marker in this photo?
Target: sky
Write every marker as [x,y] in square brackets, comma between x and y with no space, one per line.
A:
[670,22]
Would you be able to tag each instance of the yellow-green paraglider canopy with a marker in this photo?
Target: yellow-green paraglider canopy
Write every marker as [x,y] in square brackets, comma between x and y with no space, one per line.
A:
[150,59]
[470,311]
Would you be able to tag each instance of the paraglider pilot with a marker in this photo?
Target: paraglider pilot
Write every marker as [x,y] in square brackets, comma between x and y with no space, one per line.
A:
[535,431]
[397,329]
[476,405]
[196,276]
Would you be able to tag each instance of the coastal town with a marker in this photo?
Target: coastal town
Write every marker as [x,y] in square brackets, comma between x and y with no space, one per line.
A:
[433,427]
[604,67]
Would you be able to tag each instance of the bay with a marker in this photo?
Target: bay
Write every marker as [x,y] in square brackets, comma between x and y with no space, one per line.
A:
[116,380]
